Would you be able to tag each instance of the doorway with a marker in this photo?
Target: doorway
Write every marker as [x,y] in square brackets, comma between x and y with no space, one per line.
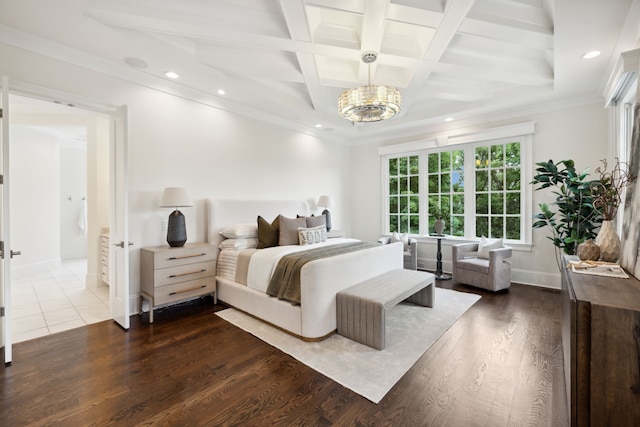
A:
[59,210]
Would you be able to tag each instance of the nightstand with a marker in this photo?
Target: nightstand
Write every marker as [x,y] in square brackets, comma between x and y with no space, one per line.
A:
[173,274]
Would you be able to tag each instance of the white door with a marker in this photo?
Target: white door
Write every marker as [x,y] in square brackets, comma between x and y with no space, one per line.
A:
[5,265]
[119,230]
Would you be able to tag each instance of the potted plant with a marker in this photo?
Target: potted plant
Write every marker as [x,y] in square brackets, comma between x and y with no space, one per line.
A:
[572,218]
[607,196]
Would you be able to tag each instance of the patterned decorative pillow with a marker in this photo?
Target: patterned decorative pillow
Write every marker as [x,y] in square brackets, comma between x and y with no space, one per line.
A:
[288,231]
[239,231]
[268,233]
[309,236]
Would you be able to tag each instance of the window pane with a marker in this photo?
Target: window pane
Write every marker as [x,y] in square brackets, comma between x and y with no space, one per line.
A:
[457,203]
[404,224]
[414,204]
[393,223]
[445,183]
[402,167]
[414,224]
[414,185]
[393,167]
[404,204]
[445,205]
[433,163]
[513,203]
[482,157]
[482,204]
[393,205]
[457,225]
[497,180]
[457,182]
[445,161]
[413,165]
[457,160]
[512,154]
[433,184]
[404,185]
[497,156]
[482,226]
[497,203]
[512,179]
[496,227]
[482,181]
[393,185]
[513,227]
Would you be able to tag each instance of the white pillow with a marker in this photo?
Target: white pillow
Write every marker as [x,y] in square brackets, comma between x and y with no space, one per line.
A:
[486,245]
[246,243]
[402,237]
[309,236]
[239,231]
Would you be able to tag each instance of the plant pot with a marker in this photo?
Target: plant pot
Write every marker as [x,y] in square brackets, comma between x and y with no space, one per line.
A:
[609,242]
[589,251]
[439,226]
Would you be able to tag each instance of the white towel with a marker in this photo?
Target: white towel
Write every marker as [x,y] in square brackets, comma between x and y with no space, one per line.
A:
[82,220]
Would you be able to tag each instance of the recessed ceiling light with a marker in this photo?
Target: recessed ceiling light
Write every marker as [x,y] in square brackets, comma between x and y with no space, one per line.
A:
[448,119]
[591,54]
[221,92]
[318,125]
[171,74]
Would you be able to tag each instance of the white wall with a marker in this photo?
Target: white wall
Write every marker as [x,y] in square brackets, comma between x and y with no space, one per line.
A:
[73,192]
[578,133]
[35,201]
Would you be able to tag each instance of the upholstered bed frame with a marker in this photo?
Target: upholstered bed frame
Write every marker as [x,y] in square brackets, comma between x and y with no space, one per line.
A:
[321,280]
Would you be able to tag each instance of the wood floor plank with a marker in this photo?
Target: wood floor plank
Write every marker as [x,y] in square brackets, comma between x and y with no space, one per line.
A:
[500,364]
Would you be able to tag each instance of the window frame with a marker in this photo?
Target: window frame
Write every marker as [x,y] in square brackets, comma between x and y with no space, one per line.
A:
[522,133]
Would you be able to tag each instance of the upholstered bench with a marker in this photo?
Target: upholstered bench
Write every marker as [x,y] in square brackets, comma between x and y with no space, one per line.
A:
[361,308]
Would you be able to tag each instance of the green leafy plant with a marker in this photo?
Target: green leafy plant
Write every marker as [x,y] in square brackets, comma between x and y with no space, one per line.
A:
[572,218]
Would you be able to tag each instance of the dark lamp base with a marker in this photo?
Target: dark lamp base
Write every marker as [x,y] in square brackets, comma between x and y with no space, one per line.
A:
[176,230]
[327,214]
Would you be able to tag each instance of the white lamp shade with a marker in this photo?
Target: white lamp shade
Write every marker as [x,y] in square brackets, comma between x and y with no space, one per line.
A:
[175,197]
[325,202]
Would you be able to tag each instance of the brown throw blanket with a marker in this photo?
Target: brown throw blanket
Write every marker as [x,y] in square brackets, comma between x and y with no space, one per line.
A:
[285,282]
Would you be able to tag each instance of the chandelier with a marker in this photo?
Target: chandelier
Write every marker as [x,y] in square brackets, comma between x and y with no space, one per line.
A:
[370,103]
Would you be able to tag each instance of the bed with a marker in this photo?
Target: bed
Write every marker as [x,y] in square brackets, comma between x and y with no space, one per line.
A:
[320,280]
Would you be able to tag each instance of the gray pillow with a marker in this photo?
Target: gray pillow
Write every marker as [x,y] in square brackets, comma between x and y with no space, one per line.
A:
[288,231]
[316,221]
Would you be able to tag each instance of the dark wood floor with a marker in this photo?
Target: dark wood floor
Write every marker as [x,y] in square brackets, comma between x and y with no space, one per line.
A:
[499,365]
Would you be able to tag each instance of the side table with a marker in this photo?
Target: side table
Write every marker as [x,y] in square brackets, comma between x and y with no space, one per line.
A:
[438,273]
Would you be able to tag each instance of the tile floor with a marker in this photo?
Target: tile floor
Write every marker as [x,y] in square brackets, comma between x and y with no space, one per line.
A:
[56,301]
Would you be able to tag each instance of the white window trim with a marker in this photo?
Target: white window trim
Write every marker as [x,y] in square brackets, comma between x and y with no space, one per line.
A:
[446,142]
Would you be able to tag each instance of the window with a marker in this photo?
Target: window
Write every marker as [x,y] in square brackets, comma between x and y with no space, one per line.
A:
[479,188]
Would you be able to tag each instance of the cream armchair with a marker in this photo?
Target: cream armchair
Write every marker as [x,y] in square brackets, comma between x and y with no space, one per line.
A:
[410,252]
[493,274]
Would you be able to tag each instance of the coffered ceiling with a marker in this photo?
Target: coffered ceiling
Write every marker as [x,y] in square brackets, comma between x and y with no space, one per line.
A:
[287,61]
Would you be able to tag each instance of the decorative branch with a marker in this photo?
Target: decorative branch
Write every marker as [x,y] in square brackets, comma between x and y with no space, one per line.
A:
[607,192]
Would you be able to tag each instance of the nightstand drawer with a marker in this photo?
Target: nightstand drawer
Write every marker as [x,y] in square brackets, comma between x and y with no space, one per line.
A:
[181,256]
[180,273]
[184,290]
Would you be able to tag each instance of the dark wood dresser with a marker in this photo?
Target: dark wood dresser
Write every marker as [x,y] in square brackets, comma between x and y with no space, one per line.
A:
[601,341]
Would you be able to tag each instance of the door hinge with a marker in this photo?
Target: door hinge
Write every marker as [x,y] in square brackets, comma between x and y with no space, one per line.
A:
[0,113]
[1,249]
[1,179]
[1,311]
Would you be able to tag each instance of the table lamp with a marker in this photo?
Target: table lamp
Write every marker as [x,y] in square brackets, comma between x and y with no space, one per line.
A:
[176,197]
[326,202]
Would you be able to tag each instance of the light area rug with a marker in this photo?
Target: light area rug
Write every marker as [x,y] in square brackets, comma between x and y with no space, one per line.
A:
[410,331]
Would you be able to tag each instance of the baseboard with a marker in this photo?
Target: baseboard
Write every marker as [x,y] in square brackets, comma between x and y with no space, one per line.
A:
[35,268]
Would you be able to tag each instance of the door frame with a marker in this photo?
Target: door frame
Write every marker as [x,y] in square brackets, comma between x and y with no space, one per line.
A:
[114,112]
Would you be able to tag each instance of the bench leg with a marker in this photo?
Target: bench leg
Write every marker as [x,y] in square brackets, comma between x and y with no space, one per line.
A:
[424,297]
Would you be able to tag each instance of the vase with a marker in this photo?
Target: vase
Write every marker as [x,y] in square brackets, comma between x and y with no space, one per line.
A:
[589,251]
[608,242]
[439,226]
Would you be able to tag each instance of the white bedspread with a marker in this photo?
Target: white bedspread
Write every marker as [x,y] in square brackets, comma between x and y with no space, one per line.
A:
[264,262]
